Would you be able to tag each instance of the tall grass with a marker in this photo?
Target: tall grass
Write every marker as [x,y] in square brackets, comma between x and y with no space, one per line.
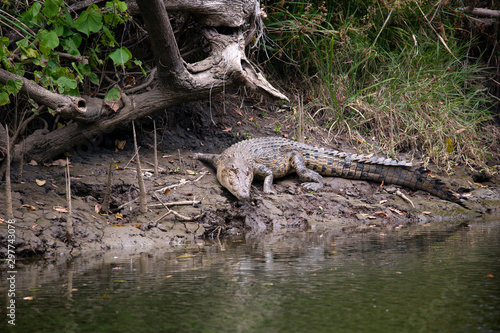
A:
[393,73]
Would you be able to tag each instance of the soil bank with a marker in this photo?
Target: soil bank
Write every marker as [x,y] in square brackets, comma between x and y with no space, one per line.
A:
[190,190]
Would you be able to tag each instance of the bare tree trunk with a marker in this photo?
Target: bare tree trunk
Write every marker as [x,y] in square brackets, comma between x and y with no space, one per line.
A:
[165,49]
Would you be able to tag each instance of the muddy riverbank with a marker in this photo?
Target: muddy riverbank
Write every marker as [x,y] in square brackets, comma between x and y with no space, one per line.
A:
[199,206]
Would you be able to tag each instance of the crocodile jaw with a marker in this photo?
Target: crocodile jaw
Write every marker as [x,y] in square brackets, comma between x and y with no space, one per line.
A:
[238,180]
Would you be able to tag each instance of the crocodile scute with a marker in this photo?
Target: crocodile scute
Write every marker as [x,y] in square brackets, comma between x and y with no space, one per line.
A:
[275,157]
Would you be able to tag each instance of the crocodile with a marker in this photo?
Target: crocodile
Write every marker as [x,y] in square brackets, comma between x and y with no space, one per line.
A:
[275,157]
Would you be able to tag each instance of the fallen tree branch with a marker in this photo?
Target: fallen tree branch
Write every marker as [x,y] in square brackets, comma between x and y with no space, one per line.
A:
[177,81]
[169,211]
[68,106]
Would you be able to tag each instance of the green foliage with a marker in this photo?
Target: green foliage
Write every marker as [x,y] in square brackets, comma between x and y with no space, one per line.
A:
[12,87]
[120,56]
[50,31]
[398,71]
[90,20]
[113,94]
[278,128]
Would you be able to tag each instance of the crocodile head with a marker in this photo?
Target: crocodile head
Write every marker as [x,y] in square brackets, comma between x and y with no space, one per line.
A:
[237,178]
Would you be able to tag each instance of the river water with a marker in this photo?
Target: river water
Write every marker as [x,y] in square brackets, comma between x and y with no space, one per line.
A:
[420,280]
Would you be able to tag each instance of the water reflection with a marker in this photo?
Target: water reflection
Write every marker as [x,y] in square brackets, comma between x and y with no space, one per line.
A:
[413,281]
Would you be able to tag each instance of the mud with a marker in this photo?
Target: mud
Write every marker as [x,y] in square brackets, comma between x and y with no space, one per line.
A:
[342,206]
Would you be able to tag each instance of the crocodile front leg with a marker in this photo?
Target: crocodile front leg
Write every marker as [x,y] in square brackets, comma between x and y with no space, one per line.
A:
[267,174]
[313,179]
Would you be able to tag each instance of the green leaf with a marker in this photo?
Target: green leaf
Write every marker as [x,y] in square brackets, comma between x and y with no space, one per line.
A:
[4,43]
[32,12]
[4,98]
[66,83]
[7,64]
[89,21]
[49,41]
[13,86]
[121,5]
[120,56]
[59,29]
[28,53]
[18,69]
[84,69]
[77,39]
[139,63]
[113,95]
[69,19]
[51,7]
[71,44]
[75,67]
[109,34]
[94,78]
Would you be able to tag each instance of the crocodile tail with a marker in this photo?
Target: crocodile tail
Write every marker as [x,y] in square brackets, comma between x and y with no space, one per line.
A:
[422,180]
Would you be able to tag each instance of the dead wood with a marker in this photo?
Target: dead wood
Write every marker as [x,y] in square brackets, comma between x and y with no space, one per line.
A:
[175,81]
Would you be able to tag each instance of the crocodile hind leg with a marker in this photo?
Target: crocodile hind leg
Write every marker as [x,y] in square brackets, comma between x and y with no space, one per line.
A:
[313,180]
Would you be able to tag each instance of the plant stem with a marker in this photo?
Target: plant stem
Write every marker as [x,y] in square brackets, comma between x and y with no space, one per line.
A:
[142,189]
[8,186]
[155,151]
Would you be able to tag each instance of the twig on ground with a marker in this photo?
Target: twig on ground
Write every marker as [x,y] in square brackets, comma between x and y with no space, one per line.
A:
[131,159]
[159,168]
[402,195]
[176,203]
[169,211]
[125,204]
[183,183]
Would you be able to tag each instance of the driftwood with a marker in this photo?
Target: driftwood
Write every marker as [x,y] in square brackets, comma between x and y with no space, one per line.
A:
[175,81]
